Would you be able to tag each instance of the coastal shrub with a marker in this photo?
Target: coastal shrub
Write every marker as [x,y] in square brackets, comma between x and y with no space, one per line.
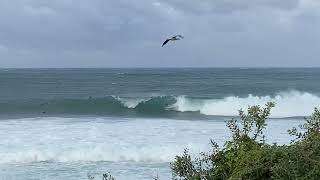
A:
[302,157]
[247,156]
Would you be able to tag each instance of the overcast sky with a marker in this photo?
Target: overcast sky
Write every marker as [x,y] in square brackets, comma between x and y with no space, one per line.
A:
[129,33]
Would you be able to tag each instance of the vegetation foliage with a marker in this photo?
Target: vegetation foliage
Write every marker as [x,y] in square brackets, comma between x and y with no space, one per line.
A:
[247,156]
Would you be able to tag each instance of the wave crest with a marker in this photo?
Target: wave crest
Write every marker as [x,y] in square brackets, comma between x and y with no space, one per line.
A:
[288,104]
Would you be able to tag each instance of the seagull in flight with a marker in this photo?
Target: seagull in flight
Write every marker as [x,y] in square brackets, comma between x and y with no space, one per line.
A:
[174,38]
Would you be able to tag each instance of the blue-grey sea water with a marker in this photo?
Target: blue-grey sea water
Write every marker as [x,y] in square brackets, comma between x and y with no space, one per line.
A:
[68,123]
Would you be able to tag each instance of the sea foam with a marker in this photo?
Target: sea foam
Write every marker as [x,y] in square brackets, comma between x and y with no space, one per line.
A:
[101,139]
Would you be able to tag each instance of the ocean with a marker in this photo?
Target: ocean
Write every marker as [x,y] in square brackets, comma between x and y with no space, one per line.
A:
[71,123]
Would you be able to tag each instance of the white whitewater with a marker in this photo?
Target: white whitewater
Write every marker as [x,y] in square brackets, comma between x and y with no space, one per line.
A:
[130,148]
[288,104]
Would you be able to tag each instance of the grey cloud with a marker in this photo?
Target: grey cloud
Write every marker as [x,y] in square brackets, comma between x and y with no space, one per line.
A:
[83,24]
[128,33]
[230,6]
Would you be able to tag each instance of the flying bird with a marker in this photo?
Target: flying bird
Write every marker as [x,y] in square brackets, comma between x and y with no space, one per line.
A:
[174,38]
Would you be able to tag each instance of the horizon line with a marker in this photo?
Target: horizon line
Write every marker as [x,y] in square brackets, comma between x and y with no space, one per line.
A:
[187,67]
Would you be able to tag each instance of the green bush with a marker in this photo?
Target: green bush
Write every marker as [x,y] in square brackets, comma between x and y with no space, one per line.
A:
[247,156]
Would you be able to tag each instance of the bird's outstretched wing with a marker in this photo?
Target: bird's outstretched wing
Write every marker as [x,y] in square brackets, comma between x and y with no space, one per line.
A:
[179,36]
[165,42]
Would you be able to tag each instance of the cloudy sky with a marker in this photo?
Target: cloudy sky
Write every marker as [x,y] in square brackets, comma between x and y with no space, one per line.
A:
[129,33]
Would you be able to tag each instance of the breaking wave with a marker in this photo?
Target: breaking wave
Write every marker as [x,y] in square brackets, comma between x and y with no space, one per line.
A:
[288,104]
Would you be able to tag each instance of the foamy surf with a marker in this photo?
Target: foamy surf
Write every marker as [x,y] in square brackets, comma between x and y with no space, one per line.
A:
[67,140]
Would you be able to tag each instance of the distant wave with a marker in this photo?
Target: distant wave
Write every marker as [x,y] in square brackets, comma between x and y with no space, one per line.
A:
[109,105]
[288,104]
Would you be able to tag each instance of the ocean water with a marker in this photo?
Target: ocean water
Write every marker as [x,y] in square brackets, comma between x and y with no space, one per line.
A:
[70,123]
